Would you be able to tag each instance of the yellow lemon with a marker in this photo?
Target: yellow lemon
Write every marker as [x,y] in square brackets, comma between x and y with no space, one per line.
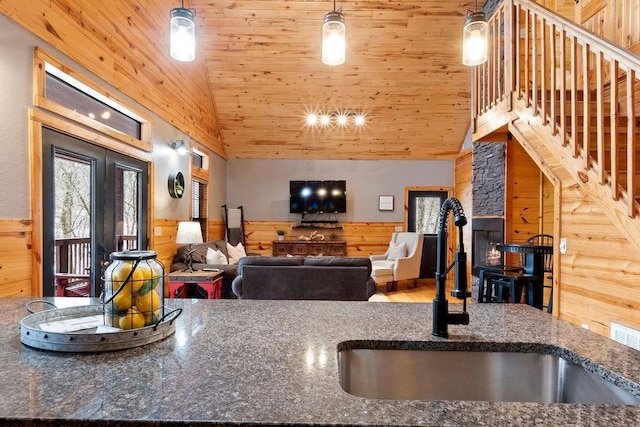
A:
[146,271]
[132,320]
[123,300]
[137,280]
[120,274]
[147,303]
[151,318]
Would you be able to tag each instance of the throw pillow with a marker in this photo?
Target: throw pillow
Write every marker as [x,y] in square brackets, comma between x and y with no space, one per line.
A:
[397,251]
[235,253]
[216,257]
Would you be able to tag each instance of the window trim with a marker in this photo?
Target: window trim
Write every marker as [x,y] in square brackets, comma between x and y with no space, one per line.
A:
[42,59]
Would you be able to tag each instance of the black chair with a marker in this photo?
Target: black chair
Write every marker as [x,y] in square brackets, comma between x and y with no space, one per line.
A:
[508,285]
[546,240]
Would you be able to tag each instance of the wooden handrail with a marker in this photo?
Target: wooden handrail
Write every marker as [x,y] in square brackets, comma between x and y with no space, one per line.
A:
[554,67]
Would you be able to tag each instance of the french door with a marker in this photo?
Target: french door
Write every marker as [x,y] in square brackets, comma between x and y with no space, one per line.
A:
[422,217]
[94,203]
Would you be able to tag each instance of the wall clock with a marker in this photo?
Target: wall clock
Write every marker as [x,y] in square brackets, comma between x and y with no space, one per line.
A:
[176,185]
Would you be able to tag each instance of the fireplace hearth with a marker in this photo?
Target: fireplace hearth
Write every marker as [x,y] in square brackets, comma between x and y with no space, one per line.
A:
[486,234]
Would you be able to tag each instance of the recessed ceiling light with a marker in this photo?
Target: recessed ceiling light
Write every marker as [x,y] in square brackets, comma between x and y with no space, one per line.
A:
[312,119]
[325,119]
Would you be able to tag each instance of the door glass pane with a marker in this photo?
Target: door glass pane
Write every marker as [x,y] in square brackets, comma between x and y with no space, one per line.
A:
[72,207]
[426,214]
[127,208]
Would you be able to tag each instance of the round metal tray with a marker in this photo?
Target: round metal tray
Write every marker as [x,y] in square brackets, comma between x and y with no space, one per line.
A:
[89,340]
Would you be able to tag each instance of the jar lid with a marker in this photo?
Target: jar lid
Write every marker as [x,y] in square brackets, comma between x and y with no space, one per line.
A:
[133,255]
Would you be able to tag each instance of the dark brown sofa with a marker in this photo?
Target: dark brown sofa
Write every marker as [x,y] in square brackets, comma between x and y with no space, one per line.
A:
[309,278]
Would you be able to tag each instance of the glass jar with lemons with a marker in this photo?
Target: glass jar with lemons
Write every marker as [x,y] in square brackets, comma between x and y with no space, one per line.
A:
[133,290]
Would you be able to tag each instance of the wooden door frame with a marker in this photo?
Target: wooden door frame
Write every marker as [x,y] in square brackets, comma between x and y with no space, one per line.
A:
[38,119]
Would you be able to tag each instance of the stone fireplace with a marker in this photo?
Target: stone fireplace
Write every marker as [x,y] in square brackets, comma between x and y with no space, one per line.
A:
[485,234]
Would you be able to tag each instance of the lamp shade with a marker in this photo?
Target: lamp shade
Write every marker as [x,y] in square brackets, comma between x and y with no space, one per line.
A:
[183,35]
[189,232]
[475,39]
[333,38]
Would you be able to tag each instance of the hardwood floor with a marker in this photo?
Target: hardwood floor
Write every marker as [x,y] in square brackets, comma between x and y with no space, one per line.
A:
[424,292]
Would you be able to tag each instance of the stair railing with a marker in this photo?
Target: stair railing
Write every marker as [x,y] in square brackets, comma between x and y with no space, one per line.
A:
[582,87]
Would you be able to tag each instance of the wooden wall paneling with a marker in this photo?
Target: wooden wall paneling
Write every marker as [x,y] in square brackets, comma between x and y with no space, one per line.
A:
[165,231]
[363,238]
[15,258]
[523,188]
[463,192]
[600,271]
[522,201]
[216,230]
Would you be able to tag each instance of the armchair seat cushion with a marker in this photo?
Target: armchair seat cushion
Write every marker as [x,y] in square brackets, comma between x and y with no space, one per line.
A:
[382,273]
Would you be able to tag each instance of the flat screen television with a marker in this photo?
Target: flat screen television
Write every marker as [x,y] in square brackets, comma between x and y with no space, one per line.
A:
[318,196]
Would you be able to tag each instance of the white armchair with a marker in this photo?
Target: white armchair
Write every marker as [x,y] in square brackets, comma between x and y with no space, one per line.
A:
[401,261]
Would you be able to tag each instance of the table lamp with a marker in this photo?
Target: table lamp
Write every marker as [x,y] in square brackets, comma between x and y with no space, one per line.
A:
[189,232]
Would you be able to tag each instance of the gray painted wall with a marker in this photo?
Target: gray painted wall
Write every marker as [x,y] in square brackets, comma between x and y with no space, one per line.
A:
[16,94]
[262,186]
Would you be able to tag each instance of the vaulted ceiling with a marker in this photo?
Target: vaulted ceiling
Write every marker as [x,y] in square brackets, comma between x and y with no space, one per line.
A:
[258,71]
[403,71]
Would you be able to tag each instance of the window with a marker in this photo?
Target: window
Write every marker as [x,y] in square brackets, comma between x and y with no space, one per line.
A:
[65,94]
[75,97]
[199,205]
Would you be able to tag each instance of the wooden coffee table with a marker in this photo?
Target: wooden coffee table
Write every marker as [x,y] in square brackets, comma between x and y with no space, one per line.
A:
[211,281]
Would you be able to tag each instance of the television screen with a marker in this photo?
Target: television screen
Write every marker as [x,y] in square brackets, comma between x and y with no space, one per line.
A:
[297,202]
[317,197]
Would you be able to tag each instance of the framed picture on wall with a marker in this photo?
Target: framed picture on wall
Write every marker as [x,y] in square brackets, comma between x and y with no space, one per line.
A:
[385,203]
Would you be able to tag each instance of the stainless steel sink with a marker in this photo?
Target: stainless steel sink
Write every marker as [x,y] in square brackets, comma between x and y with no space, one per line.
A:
[473,375]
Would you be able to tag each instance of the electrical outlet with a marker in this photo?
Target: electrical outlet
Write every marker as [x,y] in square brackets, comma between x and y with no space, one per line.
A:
[563,245]
[157,231]
[585,326]
[398,228]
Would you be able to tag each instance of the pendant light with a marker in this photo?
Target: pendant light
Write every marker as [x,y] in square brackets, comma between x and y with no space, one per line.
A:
[183,34]
[475,38]
[333,37]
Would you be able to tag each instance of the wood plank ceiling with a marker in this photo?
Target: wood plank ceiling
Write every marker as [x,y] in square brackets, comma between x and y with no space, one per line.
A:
[403,71]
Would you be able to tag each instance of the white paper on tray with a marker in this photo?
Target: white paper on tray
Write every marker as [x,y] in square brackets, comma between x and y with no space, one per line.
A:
[71,325]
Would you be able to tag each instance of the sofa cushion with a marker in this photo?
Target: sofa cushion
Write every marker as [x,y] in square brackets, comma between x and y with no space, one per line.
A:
[216,257]
[235,253]
[336,261]
[200,253]
[269,261]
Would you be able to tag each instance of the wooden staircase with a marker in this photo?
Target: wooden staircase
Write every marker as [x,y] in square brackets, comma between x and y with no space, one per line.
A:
[561,91]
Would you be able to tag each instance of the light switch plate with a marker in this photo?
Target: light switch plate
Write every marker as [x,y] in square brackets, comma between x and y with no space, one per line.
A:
[563,245]
[398,228]
[157,231]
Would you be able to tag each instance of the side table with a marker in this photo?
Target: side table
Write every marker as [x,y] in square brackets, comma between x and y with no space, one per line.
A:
[211,281]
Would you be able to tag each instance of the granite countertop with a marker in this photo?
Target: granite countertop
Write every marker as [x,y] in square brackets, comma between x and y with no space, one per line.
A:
[275,362]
